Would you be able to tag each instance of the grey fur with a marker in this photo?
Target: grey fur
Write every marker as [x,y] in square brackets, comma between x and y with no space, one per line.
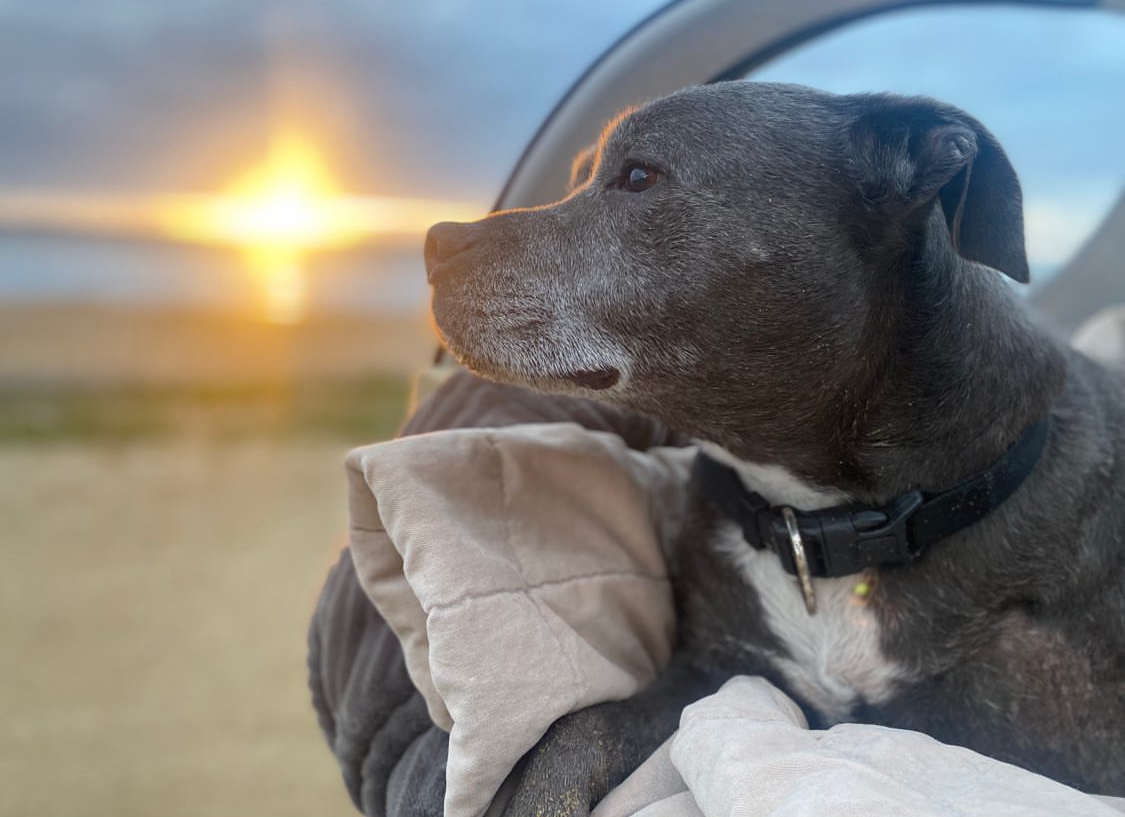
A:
[806,285]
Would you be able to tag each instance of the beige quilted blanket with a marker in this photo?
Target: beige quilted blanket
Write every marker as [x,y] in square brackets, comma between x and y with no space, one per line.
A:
[522,569]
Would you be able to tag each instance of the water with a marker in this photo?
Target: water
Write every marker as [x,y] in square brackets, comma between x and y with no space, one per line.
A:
[51,269]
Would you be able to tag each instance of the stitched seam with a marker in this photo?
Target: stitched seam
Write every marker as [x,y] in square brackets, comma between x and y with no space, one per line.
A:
[576,678]
[505,504]
[527,591]
[577,681]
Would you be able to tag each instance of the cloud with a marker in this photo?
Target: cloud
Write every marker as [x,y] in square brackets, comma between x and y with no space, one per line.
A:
[126,94]
[427,98]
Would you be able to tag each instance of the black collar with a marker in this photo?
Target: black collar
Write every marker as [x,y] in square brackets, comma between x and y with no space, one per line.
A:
[847,539]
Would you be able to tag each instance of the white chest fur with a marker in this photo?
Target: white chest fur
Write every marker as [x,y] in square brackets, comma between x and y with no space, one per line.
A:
[833,658]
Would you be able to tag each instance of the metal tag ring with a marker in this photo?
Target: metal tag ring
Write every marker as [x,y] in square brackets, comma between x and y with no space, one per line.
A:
[797,546]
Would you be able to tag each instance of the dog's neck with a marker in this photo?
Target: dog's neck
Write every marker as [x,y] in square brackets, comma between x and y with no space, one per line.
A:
[967,371]
[963,372]
[775,483]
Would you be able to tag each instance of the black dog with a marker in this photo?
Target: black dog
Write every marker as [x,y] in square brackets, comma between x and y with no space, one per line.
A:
[810,285]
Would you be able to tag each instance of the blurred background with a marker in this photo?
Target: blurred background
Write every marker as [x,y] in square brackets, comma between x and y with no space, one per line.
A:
[211,287]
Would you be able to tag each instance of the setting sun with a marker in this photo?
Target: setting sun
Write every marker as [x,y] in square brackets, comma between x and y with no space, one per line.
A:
[277,214]
[290,201]
[288,207]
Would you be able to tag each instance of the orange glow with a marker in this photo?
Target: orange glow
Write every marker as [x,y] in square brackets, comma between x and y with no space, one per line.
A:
[288,207]
[289,201]
[276,214]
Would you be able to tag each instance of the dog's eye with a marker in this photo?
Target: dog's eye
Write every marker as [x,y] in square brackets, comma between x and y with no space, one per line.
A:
[636,178]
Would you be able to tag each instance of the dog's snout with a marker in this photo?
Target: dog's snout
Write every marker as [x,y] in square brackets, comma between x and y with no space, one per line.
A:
[446,240]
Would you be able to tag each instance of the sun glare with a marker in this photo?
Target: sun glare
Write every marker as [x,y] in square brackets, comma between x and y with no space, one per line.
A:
[291,200]
[291,206]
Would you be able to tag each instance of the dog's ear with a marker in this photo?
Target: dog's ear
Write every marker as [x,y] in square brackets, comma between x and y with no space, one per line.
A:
[909,152]
[582,167]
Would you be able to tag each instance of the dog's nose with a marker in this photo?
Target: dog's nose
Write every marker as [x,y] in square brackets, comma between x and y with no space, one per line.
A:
[444,241]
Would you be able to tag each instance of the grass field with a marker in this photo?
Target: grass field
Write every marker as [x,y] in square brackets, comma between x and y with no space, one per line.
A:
[361,408]
[164,541]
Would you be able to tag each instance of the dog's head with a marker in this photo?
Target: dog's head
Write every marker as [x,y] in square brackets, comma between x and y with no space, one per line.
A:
[736,249]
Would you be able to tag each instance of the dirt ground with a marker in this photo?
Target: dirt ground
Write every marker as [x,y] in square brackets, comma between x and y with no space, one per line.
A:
[153,603]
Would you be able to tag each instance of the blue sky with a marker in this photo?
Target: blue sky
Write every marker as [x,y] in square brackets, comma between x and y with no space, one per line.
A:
[438,98]
[1049,83]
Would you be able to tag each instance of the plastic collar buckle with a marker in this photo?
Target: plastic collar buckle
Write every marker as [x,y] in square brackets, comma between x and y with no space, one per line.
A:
[842,541]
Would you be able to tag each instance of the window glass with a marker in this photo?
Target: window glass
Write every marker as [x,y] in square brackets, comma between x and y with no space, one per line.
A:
[1049,83]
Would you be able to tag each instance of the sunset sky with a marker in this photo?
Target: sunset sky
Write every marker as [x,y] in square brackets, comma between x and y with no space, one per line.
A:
[436,100]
